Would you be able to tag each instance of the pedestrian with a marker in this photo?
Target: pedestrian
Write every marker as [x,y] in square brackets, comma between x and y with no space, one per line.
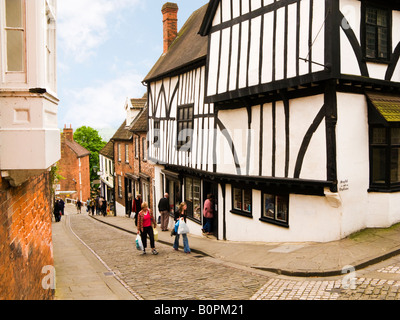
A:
[57,212]
[104,207]
[78,206]
[208,213]
[97,205]
[92,206]
[61,206]
[137,206]
[145,225]
[163,207]
[180,215]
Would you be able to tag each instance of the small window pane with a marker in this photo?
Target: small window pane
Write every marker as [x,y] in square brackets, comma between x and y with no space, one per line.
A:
[371,16]
[381,18]
[395,165]
[247,200]
[237,199]
[14,13]
[282,208]
[15,50]
[395,136]
[370,42]
[378,160]
[269,206]
[382,43]
[379,136]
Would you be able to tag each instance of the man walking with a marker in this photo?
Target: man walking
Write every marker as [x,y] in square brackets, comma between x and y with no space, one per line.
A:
[163,207]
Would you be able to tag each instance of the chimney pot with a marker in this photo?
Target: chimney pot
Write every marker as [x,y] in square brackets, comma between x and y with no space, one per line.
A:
[170,23]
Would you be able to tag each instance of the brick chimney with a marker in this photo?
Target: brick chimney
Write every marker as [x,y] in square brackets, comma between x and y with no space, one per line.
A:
[68,133]
[170,23]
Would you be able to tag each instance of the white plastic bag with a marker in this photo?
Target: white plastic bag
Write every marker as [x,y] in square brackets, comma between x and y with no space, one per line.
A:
[183,228]
[139,243]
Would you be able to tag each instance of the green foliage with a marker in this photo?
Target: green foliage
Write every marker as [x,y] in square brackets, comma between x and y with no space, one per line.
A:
[90,139]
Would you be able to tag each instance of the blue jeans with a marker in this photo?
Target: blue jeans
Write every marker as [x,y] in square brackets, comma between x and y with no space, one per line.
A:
[207,225]
[185,242]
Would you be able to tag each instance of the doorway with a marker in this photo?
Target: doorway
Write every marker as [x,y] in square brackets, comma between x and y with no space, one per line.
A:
[210,187]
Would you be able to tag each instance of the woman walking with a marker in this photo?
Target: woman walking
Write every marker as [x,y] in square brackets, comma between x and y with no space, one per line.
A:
[145,225]
[181,216]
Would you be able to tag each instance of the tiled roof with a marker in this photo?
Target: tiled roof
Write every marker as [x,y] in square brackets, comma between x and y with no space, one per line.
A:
[77,148]
[388,105]
[188,47]
[108,150]
[122,133]
[140,122]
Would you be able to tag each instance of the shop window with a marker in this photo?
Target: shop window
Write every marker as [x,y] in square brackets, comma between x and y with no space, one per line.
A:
[192,197]
[275,209]
[242,201]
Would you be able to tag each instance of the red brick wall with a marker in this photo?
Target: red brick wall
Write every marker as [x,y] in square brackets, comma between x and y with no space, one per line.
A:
[145,167]
[25,239]
[69,169]
[122,167]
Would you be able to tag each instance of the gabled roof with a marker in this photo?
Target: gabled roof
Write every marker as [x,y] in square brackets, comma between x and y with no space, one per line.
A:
[122,133]
[208,18]
[77,148]
[108,150]
[188,48]
[140,122]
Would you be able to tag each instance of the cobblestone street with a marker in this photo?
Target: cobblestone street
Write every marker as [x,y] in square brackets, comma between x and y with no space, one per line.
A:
[178,276]
[168,275]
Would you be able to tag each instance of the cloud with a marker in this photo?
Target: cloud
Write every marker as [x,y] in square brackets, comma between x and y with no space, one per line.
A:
[83,25]
[101,105]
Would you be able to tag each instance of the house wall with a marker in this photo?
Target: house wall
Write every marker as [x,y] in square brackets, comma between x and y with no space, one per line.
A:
[76,172]
[26,239]
[121,167]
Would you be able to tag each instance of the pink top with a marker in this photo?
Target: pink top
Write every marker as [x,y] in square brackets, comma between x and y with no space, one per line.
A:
[208,209]
[147,219]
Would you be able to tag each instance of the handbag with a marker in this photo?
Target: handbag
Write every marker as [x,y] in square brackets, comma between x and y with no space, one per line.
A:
[183,228]
[139,243]
[155,232]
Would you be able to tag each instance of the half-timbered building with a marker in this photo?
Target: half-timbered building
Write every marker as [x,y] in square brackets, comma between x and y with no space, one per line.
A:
[291,117]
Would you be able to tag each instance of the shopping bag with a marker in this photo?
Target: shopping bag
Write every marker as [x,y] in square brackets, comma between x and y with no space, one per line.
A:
[155,232]
[139,243]
[176,226]
[183,228]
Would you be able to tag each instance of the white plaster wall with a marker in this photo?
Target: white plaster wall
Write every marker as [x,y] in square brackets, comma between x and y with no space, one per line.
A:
[302,114]
[353,160]
[311,218]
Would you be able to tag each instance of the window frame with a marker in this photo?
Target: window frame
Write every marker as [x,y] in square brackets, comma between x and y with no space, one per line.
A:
[190,209]
[364,6]
[274,220]
[387,185]
[126,153]
[156,133]
[184,122]
[241,211]
[13,75]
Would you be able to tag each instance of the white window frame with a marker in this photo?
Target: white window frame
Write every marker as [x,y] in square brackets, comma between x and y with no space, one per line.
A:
[12,76]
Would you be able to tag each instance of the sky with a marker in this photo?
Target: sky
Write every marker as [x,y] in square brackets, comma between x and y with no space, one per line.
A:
[105,48]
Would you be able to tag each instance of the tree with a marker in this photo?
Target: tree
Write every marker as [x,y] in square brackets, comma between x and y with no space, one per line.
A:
[90,139]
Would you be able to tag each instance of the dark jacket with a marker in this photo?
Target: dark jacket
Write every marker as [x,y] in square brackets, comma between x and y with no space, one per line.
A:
[163,205]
